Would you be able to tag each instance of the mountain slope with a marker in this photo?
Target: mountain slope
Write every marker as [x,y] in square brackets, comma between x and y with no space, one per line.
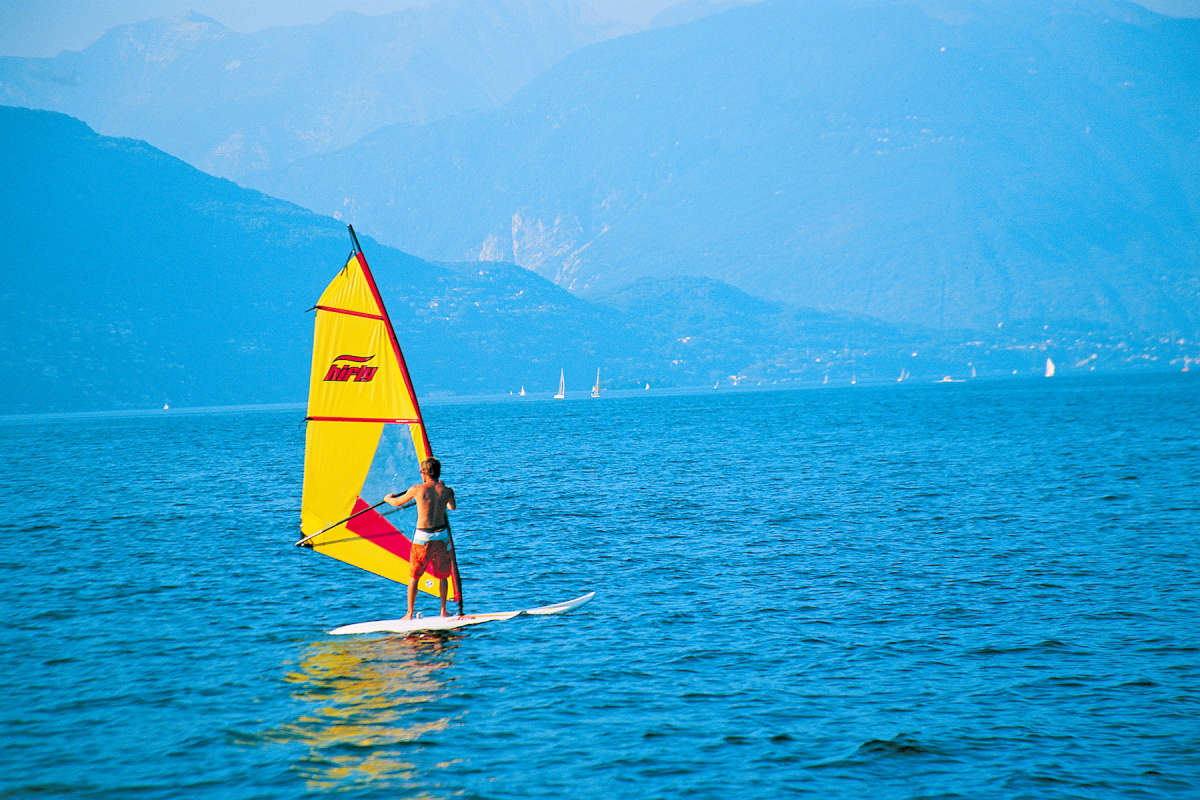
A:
[950,164]
[142,280]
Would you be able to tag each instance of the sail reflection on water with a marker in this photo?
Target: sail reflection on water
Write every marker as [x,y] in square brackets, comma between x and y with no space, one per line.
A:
[369,703]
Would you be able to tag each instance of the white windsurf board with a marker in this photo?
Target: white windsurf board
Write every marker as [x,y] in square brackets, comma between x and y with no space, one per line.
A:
[421,624]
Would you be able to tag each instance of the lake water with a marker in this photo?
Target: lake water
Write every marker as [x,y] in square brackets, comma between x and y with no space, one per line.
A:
[969,590]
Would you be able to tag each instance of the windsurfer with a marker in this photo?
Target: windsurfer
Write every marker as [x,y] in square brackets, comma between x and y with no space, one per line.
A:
[431,541]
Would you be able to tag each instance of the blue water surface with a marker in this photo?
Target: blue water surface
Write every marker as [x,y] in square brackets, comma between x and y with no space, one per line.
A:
[987,589]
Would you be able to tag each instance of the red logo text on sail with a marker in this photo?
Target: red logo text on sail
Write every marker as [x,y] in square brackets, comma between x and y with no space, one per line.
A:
[351,368]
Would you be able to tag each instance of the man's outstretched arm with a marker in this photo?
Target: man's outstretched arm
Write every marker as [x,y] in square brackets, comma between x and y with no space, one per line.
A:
[398,500]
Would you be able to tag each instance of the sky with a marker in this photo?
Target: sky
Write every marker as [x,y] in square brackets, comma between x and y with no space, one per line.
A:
[47,27]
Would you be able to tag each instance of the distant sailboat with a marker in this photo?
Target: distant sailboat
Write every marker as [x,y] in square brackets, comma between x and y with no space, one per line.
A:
[647,387]
[596,388]
[167,406]
[716,384]
[903,376]
[972,370]
[522,390]
[1185,364]
[1049,368]
[562,387]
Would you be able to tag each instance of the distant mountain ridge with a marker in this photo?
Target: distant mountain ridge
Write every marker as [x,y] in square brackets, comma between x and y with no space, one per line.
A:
[136,280]
[947,164]
[229,102]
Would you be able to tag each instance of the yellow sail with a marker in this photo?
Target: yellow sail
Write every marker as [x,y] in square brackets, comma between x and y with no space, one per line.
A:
[365,433]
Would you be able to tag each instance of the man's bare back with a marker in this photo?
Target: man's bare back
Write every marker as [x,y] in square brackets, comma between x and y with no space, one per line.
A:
[433,499]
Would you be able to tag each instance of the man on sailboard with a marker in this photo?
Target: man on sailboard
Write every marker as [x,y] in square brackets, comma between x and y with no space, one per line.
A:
[431,541]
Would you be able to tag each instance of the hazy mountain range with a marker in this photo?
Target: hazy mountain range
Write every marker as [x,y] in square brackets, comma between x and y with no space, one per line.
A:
[136,279]
[230,102]
[950,164]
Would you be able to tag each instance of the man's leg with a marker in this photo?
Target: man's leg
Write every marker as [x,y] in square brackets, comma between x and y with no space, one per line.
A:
[412,595]
[442,595]
[418,571]
[417,560]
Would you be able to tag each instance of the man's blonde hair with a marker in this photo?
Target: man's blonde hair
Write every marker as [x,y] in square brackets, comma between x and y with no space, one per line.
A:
[432,468]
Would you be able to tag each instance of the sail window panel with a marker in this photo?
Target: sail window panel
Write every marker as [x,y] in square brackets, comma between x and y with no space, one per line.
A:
[394,468]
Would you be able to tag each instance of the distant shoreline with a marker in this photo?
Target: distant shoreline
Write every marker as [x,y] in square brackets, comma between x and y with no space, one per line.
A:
[435,399]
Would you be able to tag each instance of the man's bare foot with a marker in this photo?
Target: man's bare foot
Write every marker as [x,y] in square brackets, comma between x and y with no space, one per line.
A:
[445,613]
[409,615]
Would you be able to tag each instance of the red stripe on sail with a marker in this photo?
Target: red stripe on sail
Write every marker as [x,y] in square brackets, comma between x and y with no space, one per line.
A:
[360,419]
[375,528]
[351,313]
